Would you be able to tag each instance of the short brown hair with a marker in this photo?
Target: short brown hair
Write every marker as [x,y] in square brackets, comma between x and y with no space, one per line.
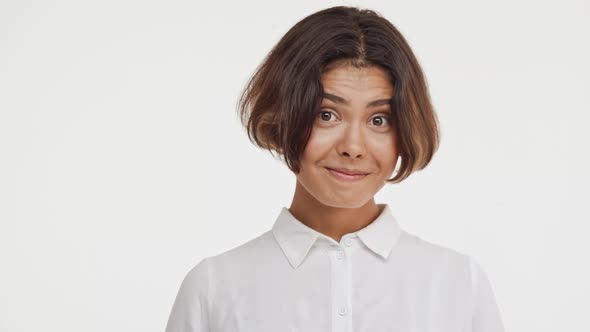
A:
[279,102]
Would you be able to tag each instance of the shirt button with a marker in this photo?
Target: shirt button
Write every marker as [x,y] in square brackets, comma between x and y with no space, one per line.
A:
[348,241]
[340,254]
[343,310]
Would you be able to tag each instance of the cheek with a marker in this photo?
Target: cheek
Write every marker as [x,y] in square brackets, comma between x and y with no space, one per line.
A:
[317,146]
[386,153]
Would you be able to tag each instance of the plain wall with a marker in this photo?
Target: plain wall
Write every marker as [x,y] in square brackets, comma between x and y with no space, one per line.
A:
[123,163]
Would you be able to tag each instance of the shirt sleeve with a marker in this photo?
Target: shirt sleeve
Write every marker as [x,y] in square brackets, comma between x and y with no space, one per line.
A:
[486,314]
[190,311]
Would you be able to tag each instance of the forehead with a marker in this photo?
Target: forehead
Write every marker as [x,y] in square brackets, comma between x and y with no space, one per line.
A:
[347,78]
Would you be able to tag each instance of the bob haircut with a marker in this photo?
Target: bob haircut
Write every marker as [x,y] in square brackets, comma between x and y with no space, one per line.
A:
[279,103]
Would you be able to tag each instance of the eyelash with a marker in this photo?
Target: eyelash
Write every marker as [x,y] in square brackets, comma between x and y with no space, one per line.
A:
[386,117]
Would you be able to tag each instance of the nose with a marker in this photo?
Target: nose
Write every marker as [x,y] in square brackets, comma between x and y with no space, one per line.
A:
[352,143]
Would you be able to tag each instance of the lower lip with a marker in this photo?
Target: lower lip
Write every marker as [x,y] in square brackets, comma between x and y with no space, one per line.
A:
[346,177]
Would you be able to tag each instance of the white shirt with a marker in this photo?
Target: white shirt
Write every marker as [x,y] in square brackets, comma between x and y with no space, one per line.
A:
[294,278]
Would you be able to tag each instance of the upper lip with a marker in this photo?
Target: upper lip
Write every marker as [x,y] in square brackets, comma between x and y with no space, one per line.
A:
[348,171]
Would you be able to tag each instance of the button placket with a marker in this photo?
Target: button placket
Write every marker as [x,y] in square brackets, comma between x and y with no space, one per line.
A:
[343,310]
[341,292]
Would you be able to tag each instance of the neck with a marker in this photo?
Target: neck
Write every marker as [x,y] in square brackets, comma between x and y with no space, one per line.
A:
[328,220]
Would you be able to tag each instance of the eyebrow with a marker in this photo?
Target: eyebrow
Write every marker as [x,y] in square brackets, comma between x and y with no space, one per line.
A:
[340,100]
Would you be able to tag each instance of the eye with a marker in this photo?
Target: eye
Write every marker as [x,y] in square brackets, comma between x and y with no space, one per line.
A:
[325,115]
[379,123]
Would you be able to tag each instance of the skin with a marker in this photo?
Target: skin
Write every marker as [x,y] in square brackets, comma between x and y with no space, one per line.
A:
[350,135]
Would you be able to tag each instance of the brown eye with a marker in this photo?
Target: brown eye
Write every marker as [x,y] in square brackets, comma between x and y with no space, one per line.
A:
[381,119]
[325,115]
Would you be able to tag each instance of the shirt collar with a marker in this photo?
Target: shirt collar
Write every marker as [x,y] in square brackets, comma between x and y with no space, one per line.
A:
[296,238]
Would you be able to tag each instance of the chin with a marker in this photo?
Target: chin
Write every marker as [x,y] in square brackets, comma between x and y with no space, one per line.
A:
[351,201]
[329,193]
[348,205]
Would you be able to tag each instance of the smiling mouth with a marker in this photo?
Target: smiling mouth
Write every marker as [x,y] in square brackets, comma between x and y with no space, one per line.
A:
[345,177]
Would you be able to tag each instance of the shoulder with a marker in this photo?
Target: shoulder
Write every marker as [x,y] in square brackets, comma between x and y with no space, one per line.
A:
[200,276]
[196,280]
[255,251]
[435,255]
[445,260]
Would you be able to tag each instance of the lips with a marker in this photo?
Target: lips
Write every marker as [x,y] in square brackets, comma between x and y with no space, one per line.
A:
[346,177]
[348,171]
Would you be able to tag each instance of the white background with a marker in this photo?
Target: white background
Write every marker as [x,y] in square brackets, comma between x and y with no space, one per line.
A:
[123,163]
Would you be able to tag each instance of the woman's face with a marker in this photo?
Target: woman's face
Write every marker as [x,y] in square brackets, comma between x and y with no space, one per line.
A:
[352,130]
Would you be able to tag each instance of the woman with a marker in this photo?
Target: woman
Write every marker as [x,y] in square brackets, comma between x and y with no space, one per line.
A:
[341,99]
